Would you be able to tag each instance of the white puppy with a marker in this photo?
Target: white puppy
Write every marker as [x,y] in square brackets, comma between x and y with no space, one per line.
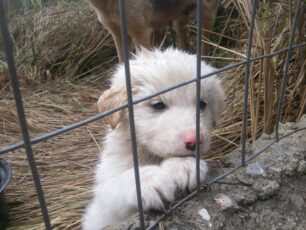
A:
[166,136]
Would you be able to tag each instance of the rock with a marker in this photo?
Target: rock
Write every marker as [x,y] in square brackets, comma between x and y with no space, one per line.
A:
[245,196]
[254,169]
[302,167]
[265,188]
[290,167]
[302,122]
[225,202]
[205,216]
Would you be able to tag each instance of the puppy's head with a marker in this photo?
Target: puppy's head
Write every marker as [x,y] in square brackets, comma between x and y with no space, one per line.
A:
[166,124]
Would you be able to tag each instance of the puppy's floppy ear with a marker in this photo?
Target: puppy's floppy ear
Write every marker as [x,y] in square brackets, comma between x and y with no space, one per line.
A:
[112,98]
[219,99]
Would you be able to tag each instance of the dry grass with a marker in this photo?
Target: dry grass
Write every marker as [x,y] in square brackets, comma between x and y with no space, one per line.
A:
[63,40]
[65,163]
[55,48]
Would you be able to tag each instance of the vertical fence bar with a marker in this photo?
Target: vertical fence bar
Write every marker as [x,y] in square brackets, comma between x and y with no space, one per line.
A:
[198,90]
[285,77]
[130,108]
[246,83]
[21,114]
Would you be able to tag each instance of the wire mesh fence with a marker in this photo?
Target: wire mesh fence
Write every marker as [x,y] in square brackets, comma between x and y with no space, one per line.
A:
[28,142]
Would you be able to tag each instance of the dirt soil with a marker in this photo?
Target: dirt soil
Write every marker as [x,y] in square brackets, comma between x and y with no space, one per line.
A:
[269,193]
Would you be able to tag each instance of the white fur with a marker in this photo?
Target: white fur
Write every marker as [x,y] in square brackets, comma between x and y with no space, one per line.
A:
[165,164]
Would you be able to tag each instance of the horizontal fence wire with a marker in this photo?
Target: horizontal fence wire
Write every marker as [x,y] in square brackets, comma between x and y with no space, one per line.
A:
[27,141]
[48,135]
[8,47]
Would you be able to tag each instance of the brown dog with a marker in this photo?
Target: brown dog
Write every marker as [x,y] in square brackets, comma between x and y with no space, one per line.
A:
[145,17]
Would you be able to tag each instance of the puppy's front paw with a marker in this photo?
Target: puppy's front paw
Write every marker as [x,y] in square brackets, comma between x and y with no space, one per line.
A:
[183,171]
[157,187]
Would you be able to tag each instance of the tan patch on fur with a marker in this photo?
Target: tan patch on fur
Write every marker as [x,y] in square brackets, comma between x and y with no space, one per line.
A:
[112,98]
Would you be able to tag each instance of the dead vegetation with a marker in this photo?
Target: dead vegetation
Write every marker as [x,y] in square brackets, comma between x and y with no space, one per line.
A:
[64,57]
[62,40]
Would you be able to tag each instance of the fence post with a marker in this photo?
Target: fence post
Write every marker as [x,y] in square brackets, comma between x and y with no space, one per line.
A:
[285,76]
[246,83]
[130,109]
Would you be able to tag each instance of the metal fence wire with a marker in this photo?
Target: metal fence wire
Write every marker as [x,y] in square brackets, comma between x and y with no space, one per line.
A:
[27,141]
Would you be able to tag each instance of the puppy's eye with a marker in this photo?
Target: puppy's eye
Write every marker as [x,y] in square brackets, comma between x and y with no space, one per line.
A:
[158,105]
[202,105]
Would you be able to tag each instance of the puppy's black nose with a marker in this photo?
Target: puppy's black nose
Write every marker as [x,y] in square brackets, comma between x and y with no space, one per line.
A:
[190,146]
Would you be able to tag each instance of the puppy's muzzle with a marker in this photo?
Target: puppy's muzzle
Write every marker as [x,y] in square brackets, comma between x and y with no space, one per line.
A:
[190,138]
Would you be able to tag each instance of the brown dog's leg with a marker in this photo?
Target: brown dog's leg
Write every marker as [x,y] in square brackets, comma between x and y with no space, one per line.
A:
[181,30]
[209,17]
[207,27]
[116,34]
[143,38]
